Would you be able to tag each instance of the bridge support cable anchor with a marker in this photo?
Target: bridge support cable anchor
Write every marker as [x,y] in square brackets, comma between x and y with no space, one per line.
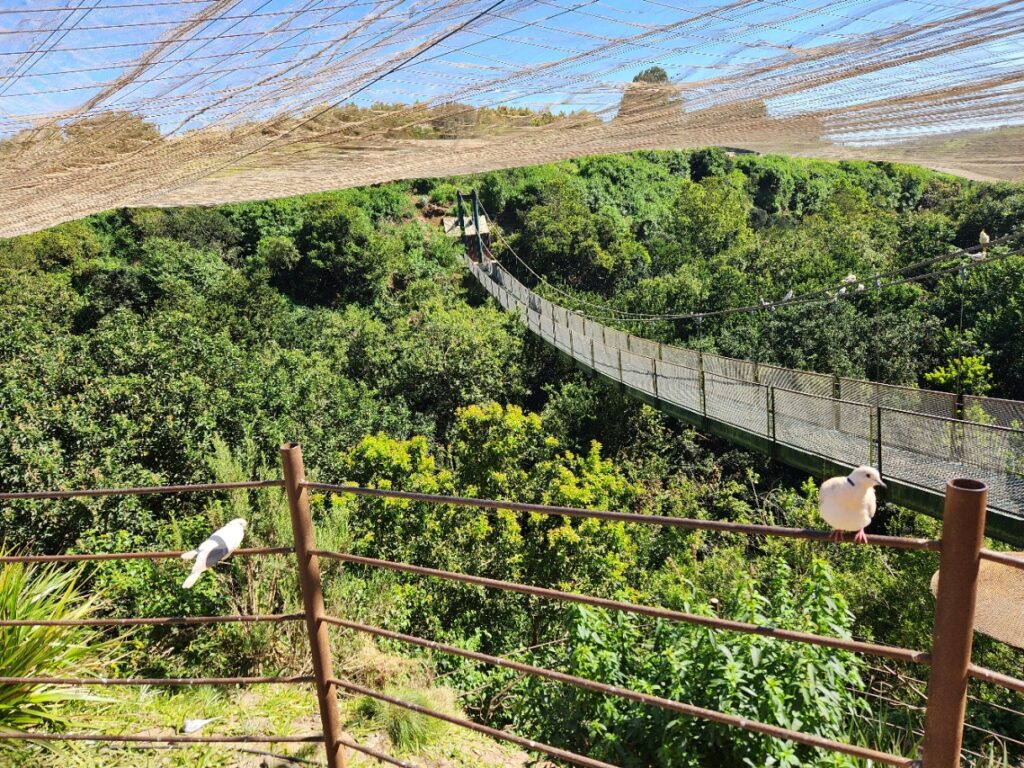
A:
[963,532]
[313,601]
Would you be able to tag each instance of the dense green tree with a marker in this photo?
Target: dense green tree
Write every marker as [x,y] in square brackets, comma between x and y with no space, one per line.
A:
[343,260]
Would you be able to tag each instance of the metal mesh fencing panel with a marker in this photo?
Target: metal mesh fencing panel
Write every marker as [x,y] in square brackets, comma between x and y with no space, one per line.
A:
[740,403]
[798,381]
[560,315]
[581,348]
[563,338]
[1001,452]
[593,329]
[545,306]
[615,338]
[900,398]
[728,366]
[645,347]
[576,323]
[680,356]
[638,371]
[994,410]
[920,434]
[812,424]
[519,291]
[533,302]
[534,322]
[679,384]
[929,451]
[547,329]
[606,360]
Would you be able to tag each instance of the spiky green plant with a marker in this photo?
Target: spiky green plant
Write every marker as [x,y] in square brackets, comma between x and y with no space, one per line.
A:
[33,592]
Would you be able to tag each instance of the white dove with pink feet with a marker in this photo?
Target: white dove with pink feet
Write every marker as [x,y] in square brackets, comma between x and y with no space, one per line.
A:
[848,503]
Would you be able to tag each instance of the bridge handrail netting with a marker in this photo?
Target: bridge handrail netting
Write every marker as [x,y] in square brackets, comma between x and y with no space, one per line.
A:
[918,438]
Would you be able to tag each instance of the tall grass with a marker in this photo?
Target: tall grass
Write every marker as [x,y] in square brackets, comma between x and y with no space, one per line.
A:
[33,592]
[407,731]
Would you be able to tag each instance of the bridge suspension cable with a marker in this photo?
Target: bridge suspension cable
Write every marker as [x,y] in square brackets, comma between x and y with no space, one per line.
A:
[821,295]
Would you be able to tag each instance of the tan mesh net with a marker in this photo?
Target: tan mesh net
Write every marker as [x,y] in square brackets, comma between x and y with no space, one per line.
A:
[106,103]
[1000,609]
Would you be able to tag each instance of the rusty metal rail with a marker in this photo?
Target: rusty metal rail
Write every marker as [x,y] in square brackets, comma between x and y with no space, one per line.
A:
[175,739]
[872,649]
[143,490]
[997,678]
[157,621]
[164,555]
[170,681]
[1012,559]
[384,757]
[898,542]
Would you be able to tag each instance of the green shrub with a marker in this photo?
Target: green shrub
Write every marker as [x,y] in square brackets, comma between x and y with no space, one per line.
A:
[407,731]
[792,685]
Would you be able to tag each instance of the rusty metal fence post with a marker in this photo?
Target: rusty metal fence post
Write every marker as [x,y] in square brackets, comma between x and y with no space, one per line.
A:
[963,531]
[313,601]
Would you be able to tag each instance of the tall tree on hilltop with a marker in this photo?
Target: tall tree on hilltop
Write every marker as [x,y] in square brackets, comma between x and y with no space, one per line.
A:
[650,98]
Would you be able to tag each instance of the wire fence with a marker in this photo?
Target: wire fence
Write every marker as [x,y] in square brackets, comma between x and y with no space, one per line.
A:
[917,438]
[958,549]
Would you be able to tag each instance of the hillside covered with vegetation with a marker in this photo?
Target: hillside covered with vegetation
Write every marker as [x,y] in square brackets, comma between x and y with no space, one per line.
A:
[144,347]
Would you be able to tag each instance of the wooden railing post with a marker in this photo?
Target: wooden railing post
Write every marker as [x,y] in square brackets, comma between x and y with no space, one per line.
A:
[963,531]
[313,601]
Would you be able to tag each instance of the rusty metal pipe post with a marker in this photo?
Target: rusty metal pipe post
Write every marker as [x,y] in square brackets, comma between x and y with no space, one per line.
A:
[313,601]
[963,531]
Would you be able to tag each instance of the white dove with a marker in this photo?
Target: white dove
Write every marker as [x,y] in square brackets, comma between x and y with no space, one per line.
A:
[848,503]
[983,241]
[194,726]
[220,545]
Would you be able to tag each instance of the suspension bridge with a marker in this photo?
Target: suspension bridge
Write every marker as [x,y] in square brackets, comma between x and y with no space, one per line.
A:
[820,423]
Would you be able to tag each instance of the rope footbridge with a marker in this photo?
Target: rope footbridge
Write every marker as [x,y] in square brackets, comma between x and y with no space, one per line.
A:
[823,424]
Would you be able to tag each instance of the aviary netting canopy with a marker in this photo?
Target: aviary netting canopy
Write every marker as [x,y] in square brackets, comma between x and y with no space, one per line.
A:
[107,103]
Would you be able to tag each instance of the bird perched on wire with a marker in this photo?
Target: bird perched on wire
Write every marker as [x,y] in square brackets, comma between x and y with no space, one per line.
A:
[220,545]
[848,503]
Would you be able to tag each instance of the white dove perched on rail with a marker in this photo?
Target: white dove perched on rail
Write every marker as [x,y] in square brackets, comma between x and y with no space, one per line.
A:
[220,545]
[848,503]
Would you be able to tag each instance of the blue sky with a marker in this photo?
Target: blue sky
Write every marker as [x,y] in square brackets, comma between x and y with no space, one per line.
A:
[56,55]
